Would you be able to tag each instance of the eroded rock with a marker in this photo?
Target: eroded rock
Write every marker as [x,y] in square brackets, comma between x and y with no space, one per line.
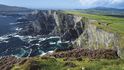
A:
[68,26]
[93,54]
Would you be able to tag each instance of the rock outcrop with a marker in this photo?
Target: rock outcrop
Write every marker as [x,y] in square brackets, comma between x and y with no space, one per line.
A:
[80,31]
[76,37]
[68,26]
[92,54]
[94,37]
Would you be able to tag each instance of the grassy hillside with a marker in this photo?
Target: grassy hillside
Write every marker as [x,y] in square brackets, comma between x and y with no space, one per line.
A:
[104,11]
[115,23]
[38,63]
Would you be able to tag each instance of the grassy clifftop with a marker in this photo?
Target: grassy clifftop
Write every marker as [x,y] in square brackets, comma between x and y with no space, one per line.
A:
[117,24]
[109,23]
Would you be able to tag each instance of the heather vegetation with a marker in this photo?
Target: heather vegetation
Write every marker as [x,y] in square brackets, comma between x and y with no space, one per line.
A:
[48,63]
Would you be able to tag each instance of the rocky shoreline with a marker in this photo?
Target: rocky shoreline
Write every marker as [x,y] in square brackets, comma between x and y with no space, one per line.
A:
[78,37]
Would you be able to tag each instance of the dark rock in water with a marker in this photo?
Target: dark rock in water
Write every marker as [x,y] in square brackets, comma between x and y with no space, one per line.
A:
[69,27]
[35,50]
[27,46]
[17,42]
[3,47]
[34,47]
[26,54]
[22,20]
[12,46]
[34,41]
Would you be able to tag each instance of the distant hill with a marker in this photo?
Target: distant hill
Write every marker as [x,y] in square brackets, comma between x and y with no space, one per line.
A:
[107,9]
[104,11]
[5,8]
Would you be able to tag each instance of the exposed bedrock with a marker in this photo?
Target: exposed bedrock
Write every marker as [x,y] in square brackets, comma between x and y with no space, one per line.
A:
[94,38]
[82,31]
[69,27]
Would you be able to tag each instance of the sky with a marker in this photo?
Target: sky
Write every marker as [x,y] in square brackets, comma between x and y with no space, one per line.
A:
[64,4]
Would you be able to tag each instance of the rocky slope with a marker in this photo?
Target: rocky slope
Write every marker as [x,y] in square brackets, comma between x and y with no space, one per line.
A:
[36,35]
[43,31]
[94,37]
[69,27]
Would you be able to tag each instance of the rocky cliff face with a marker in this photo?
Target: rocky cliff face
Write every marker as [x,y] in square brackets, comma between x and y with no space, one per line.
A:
[94,37]
[95,42]
[69,27]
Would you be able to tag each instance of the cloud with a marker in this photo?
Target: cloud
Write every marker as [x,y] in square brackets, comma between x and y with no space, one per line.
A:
[70,4]
[94,2]
[117,1]
[105,3]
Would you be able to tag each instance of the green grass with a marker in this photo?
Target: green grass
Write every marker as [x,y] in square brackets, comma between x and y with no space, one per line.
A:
[101,64]
[85,64]
[102,12]
[115,25]
[40,64]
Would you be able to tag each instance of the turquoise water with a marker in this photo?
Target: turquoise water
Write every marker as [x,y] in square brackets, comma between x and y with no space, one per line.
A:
[22,46]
